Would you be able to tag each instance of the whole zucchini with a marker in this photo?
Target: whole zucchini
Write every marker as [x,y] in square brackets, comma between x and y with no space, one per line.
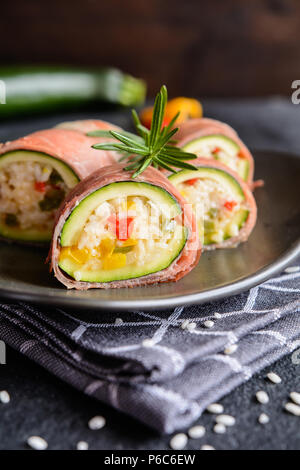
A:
[42,88]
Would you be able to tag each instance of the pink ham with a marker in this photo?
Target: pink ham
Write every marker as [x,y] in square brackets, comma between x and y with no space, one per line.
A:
[184,263]
[71,146]
[195,128]
[87,125]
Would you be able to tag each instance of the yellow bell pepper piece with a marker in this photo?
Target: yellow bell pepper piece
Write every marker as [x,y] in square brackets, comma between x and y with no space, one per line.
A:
[114,261]
[131,206]
[107,246]
[130,242]
[72,252]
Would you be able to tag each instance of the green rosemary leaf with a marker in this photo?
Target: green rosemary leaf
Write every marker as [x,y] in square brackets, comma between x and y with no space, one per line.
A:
[161,142]
[122,148]
[133,166]
[127,140]
[146,163]
[164,165]
[178,153]
[149,147]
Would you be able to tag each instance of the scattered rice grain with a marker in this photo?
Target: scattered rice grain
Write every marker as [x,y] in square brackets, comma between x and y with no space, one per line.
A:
[191,326]
[196,432]
[262,397]
[295,396]
[219,428]
[37,443]
[184,324]
[217,315]
[208,324]
[226,420]
[292,269]
[230,349]
[215,408]
[292,408]
[179,441]
[4,397]
[118,321]
[82,445]
[96,423]
[274,378]
[263,418]
[207,447]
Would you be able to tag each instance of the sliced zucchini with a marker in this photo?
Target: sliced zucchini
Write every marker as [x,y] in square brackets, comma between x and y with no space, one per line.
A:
[218,224]
[221,148]
[117,268]
[61,173]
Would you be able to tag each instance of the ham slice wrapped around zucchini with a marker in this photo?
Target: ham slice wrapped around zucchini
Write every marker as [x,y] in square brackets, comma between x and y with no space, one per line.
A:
[208,138]
[114,231]
[37,171]
[222,202]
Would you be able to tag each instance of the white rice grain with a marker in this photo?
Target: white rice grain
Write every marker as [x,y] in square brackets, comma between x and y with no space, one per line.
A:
[219,428]
[295,396]
[274,378]
[262,397]
[82,445]
[215,408]
[96,423]
[292,269]
[179,441]
[292,408]
[4,397]
[37,443]
[230,349]
[263,418]
[208,324]
[226,420]
[196,432]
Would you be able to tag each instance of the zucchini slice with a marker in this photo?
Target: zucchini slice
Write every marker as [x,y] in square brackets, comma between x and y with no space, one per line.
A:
[218,201]
[33,185]
[220,148]
[92,249]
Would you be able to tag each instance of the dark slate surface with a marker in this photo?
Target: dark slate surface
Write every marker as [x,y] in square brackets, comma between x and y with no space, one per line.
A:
[45,406]
[42,405]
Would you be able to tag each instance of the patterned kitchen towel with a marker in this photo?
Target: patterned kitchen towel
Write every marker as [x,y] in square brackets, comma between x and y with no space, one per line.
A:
[163,368]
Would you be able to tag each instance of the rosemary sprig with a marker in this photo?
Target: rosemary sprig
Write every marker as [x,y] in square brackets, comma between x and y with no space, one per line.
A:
[149,147]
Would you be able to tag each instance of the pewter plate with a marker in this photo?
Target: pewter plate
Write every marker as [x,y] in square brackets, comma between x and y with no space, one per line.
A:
[274,243]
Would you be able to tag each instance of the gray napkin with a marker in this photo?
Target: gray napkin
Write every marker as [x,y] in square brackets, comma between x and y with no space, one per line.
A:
[156,366]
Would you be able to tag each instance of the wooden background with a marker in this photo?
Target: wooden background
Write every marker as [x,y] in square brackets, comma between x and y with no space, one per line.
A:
[196,47]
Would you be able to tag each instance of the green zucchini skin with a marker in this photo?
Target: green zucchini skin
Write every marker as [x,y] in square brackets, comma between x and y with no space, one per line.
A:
[36,89]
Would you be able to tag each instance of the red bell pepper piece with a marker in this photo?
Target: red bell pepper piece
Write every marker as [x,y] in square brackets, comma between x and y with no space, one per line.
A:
[122,226]
[230,205]
[192,181]
[40,186]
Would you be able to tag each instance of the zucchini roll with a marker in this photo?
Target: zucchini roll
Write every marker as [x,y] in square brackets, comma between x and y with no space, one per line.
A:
[114,231]
[208,138]
[224,206]
[36,173]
